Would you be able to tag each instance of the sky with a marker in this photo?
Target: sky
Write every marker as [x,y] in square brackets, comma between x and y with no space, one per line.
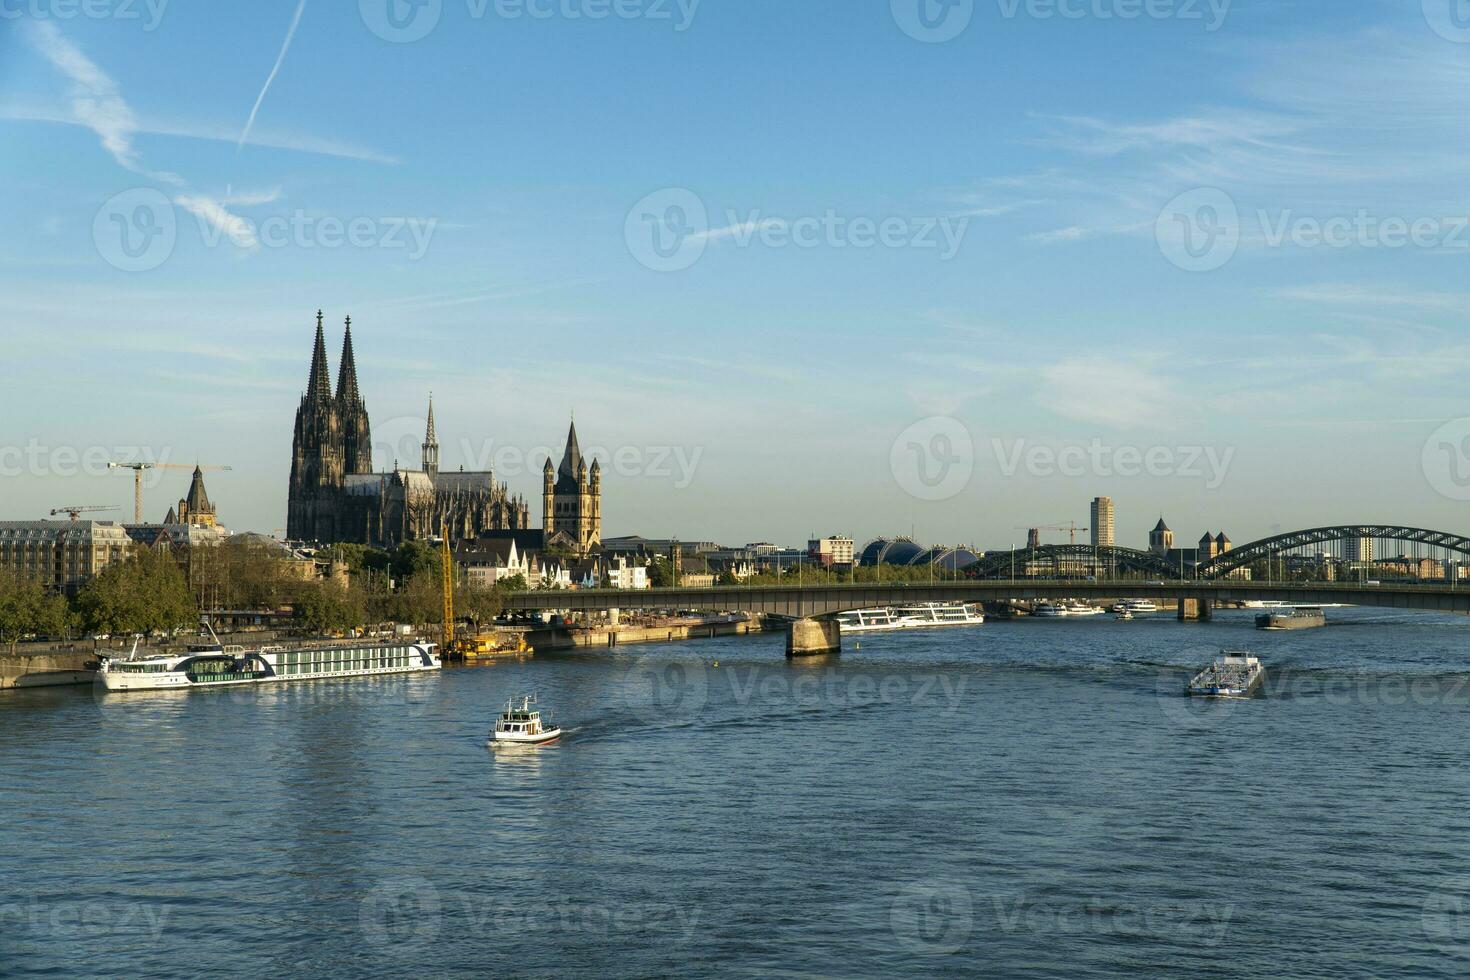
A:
[948,268]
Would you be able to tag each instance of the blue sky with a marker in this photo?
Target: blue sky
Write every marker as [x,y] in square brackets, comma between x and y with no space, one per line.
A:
[764,388]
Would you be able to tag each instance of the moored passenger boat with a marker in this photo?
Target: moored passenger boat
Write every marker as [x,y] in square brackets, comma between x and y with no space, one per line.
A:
[215,665]
[920,615]
[869,620]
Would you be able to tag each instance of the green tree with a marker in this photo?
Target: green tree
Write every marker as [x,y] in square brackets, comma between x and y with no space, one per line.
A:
[326,607]
[477,604]
[141,594]
[516,583]
[660,574]
[26,607]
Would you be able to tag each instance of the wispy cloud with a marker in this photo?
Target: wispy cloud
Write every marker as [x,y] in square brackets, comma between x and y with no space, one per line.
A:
[275,69]
[237,229]
[96,101]
[1368,120]
[742,229]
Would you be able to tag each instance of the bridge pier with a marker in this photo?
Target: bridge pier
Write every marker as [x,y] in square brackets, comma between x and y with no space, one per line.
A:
[813,637]
[1196,610]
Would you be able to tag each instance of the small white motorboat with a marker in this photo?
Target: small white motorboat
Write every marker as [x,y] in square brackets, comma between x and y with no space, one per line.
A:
[521,724]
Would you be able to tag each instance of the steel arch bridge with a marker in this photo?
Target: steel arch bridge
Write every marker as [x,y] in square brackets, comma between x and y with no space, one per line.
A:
[1000,565]
[1268,548]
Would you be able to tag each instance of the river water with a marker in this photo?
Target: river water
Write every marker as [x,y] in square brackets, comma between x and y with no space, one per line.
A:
[1028,799]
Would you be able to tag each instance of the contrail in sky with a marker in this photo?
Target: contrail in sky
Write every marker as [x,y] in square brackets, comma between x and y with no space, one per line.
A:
[285,46]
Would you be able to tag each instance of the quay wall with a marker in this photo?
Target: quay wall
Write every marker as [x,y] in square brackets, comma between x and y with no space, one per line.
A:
[604,638]
[45,669]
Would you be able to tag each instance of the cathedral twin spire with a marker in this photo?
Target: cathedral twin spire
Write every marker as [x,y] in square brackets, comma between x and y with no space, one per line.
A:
[320,384]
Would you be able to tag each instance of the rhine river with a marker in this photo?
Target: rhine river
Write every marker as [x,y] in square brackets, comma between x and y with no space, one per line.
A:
[1030,799]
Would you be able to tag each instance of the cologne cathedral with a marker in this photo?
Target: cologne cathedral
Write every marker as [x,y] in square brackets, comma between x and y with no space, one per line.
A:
[336,497]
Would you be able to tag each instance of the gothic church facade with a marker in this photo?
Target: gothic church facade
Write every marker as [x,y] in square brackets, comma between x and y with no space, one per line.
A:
[336,497]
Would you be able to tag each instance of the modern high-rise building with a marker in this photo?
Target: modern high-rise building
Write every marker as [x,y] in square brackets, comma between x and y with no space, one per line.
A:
[1103,530]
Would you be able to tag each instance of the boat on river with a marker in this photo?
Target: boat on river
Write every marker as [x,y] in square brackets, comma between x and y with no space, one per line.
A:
[522,724]
[1292,618]
[213,664]
[1236,674]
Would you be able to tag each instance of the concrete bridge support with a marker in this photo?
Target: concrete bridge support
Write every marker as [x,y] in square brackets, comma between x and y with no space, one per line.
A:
[1196,610]
[813,637]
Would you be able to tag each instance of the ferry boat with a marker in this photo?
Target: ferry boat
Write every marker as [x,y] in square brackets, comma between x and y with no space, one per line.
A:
[1079,608]
[923,615]
[1049,610]
[1135,606]
[1236,674]
[869,620]
[927,615]
[522,724]
[1292,618]
[215,665]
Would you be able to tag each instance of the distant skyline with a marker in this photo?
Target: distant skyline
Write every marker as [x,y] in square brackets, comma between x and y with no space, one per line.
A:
[797,268]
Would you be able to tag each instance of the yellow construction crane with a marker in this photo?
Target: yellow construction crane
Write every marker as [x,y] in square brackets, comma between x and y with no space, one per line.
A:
[76,512]
[138,469]
[1071,527]
[446,562]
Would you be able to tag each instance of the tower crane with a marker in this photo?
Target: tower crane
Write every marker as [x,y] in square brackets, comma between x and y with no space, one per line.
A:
[76,512]
[138,469]
[1071,527]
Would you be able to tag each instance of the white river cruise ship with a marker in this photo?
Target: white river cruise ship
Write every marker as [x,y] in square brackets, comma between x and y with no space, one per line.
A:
[213,665]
